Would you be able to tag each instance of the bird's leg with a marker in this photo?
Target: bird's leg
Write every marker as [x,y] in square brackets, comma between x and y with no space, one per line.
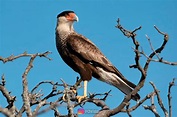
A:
[85,88]
[80,98]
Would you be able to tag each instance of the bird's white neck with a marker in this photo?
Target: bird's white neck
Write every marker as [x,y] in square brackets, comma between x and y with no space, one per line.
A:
[65,28]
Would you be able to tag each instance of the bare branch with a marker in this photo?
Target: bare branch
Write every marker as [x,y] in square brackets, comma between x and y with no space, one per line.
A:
[158,50]
[25,95]
[169,96]
[100,94]
[47,82]
[99,102]
[69,105]
[51,107]
[148,96]
[10,99]
[25,54]
[159,99]
[127,110]
[138,66]
[127,33]
[159,59]
[6,112]
[152,107]
[166,37]
[41,104]
[152,48]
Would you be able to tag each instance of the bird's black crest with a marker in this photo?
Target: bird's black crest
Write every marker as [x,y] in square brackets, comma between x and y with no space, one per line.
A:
[64,13]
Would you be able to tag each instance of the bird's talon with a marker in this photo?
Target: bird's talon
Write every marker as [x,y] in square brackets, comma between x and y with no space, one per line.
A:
[81,98]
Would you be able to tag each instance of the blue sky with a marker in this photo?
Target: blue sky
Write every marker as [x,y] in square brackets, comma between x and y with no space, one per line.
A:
[27,25]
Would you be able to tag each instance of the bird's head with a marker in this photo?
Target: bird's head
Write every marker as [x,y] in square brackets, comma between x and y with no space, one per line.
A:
[65,21]
[67,16]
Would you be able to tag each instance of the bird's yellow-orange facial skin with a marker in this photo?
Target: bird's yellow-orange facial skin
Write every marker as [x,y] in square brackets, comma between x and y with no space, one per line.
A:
[71,17]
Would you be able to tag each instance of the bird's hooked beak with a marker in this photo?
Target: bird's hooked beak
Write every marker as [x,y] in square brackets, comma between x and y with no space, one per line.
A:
[72,17]
[76,18]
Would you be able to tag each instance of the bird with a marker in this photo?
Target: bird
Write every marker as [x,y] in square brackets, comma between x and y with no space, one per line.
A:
[85,58]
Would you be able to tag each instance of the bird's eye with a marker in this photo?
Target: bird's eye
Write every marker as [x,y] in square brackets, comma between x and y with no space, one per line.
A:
[66,14]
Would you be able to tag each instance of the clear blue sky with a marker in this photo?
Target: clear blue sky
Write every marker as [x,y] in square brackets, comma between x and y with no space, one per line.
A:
[27,25]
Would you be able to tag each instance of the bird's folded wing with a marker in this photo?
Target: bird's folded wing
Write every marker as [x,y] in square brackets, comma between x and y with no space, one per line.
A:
[89,53]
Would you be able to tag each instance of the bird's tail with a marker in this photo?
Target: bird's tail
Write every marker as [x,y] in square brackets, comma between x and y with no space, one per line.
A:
[121,83]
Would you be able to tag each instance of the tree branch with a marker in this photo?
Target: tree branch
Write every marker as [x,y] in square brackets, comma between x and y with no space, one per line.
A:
[6,112]
[169,96]
[10,99]
[152,107]
[69,105]
[25,54]
[159,100]
[148,96]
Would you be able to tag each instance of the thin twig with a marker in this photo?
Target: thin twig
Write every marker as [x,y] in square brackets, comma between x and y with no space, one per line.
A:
[148,96]
[10,99]
[155,52]
[52,105]
[25,95]
[69,105]
[159,60]
[41,104]
[127,110]
[152,108]
[152,48]
[159,100]
[25,54]
[158,50]
[172,83]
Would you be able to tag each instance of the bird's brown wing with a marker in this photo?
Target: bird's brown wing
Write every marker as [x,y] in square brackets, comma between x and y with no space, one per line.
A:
[88,52]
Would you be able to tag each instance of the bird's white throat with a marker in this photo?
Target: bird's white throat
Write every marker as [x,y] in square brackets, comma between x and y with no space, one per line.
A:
[65,27]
